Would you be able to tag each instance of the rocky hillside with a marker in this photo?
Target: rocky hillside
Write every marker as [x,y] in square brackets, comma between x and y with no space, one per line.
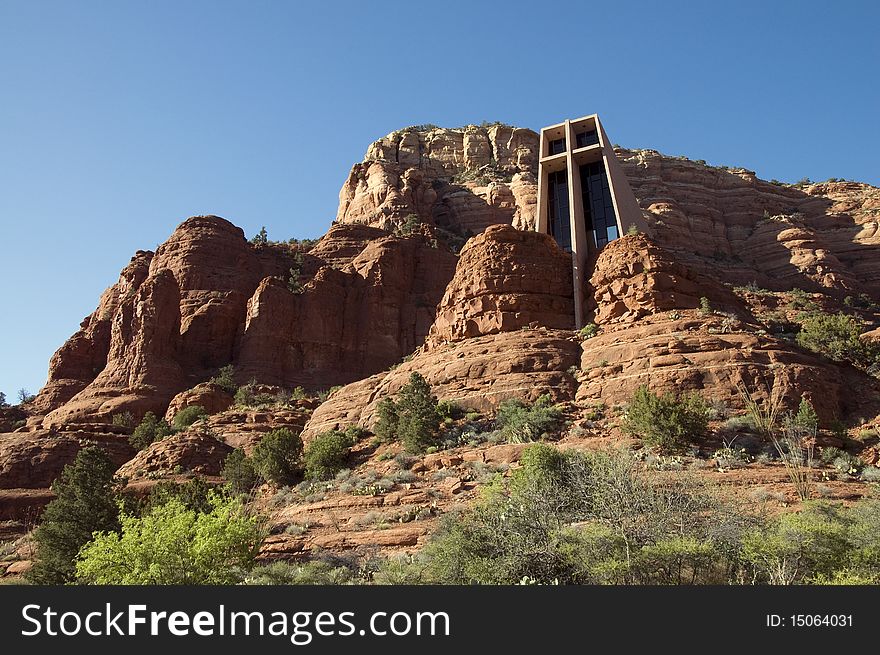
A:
[431,266]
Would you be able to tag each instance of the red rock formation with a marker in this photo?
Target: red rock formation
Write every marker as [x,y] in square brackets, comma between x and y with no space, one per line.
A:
[84,355]
[194,451]
[459,179]
[506,279]
[347,323]
[644,300]
[208,396]
[476,373]
[728,223]
[32,460]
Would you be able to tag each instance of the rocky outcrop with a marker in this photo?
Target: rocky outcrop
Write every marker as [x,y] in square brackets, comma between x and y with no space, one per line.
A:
[346,324]
[208,298]
[32,460]
[652,335]
[208,396]
[195,450]
[634,277]
[82,357]
[729,224]
[506,279]
[477,373]
[461,180]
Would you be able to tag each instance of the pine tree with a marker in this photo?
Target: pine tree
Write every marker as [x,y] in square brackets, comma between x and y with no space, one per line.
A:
[417,414]
[85,503]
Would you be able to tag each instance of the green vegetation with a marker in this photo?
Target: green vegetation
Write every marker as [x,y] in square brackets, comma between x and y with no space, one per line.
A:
[293,283]
[836,336]
[225,379]
[705,306]
[124,420]
[248,396]
[25,396]
[187,416]
[173,544]
[85,502]
[305,573]
[277,457]
[261,238]
[327,453]
[520,422]
[410,225]
[239,473]
[412,418]
[3,402]
[150,429]
[589,331]
[666,421]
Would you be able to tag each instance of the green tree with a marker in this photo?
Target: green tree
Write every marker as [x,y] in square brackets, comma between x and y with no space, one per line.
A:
[85,502]
[173,544]
[239,473]
[187,416]
[418,421]
[261,238]
[150,429]
[836,336]
[225,379]
[278,455]
[326,454]
[520,422]
[386,425]
[3,402]
[666,421]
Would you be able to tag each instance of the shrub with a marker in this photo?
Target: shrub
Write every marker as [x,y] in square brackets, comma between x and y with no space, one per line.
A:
[802,545]
[447,409]
[666,421]
[150,429]
[386,425]
[187,416]
[582,517]
[173,544]
[326,454]
[277,457]
[589,331]
[25,396]
[225,379]
[194,494]
[85,502]
[705,306]
[836,336]
[520,422]
[3,402]
[305,573]
[124,420]
[261,238]
[239,473]
[417,414]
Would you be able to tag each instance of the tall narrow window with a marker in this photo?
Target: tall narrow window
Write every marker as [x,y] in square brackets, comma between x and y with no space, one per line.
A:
[558,217]
[599,217]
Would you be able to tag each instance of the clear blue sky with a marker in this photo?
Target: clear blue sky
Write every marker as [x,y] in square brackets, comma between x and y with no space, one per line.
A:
[120,119]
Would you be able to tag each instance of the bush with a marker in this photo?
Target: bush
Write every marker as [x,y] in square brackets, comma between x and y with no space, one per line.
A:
[305,573]
[583,518]
[150,429]
[386,425]
[187,416]
[666,421]
[85,502]
[836,336]
[225,379]
[589,331]
[124,420]
[277,457]
[173,544]
[326,454]
[195,494]
[239,473]
[520,422]
[818,541]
